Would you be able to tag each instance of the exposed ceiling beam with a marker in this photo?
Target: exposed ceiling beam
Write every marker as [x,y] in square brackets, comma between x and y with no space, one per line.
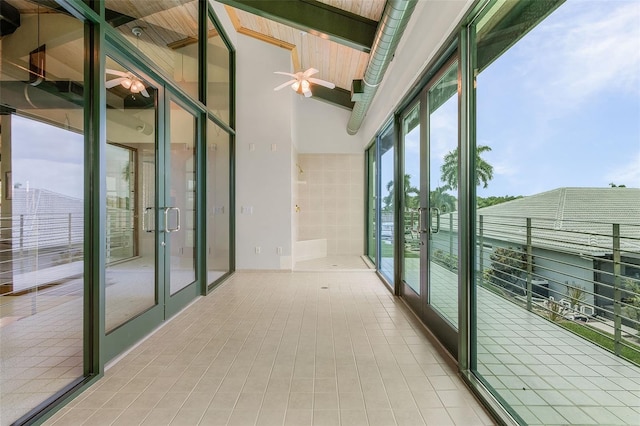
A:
[337,96]
[315,18]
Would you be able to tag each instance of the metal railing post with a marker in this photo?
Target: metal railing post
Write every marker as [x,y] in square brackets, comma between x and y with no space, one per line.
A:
[451,263]
[69,239]
[481,250]
[529,264]
[617,294]
[21,236]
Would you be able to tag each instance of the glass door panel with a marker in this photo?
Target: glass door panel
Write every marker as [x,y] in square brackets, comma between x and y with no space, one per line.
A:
[179,212]
[411,210]
[443,184]
[372,204]
[150,230]
[387,224]
[131,206]
[218,202]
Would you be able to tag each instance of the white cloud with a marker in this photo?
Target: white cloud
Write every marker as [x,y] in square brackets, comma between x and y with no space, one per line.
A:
[589,50]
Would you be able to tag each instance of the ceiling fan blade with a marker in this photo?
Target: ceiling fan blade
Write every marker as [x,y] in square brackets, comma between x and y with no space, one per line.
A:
[288,83]
[307,93]
[286,73]
[322,83]
[311,71]
[144,93]
[116,72]
[113,83]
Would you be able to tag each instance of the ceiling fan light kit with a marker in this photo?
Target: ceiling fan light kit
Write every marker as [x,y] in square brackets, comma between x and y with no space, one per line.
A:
[302,81]
[126,78]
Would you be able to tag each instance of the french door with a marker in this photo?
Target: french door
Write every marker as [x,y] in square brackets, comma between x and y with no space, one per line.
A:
[150,232]
[429,164]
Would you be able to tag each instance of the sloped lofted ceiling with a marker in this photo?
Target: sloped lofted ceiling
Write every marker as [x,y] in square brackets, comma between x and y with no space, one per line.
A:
[333,36]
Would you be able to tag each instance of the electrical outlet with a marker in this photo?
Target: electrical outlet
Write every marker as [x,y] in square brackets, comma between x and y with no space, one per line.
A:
[257,249]
[279,250]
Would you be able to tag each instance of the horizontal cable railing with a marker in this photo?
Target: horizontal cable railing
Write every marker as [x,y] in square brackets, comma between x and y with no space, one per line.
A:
[583,275]
[38,250]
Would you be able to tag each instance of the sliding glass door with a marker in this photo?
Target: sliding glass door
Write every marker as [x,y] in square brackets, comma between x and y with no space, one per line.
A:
[429,205]
[442,205]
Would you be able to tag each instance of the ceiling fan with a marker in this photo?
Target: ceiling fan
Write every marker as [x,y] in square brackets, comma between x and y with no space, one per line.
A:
[301,82]
[127,80]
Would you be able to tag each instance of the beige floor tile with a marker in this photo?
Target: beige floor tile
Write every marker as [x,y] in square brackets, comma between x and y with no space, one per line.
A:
[381,417]
[103,417]
[132,416]
[213,417]
[353,418]
[160,417]
[326,418]
[286,352]
[295,417]
[271,418]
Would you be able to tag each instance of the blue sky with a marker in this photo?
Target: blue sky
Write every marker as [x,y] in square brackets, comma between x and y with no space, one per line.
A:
[560,108]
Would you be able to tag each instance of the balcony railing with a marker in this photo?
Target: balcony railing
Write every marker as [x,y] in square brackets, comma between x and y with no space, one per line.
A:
[582,275]
[43,249]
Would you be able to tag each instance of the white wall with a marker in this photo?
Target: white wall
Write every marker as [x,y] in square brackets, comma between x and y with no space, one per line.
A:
[263,176]
[321,128]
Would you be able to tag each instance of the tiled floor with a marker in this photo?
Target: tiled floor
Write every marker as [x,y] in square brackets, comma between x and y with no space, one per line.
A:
[290,348]
[548,375]
[335,263]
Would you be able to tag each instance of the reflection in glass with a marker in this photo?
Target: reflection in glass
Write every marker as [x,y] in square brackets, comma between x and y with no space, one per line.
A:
[41,207]
[443,184]
[218,192]
[372,174]
[130,184]
[179,214]
[557,221]
[387,227]
[411,200]
[121,180]
[218,69]
[167,35]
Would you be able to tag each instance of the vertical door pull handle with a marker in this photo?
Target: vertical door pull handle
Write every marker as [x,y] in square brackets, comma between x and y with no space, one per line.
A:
[166,219]
[145,222]
[437,228]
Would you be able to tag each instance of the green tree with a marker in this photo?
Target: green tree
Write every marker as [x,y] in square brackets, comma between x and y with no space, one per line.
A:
[440,199]
[492,201]
[411,201]
[449,170]
[631,300]
[508,266]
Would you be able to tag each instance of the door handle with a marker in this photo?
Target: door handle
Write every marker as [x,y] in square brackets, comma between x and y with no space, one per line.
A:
[166,219]
[144,221]
[421,229]
[437,228]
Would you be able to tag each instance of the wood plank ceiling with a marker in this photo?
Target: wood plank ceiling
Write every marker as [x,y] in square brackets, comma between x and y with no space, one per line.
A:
[339,59]
[336,62]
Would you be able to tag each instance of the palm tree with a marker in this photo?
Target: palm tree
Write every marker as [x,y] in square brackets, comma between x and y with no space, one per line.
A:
[449,170]
[409,201]
[444,202]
